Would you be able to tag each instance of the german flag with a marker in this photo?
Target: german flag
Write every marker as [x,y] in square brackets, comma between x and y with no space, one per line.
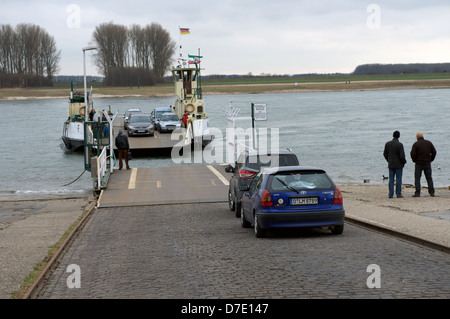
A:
[184,31]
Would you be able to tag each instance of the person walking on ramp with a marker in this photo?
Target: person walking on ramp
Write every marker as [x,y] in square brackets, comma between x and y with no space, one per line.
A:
[122,146]
[423,153]
[394,154]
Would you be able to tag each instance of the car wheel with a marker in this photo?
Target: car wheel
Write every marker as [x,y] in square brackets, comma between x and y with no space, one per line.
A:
[259,232]
[244,222]
[337,230]
[231,203]
[238,207]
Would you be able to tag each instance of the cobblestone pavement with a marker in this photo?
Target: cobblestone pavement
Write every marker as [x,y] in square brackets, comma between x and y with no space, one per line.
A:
[201,251]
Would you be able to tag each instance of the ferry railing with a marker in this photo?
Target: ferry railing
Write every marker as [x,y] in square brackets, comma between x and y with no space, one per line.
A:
[99,150]
[102,169]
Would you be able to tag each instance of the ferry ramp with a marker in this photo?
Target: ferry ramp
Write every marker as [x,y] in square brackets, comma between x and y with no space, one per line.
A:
[165,185]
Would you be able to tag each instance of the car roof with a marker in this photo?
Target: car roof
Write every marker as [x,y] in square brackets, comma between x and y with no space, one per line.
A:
[168,113]
[273,170]
[163,108]
[139,114]
[134,110]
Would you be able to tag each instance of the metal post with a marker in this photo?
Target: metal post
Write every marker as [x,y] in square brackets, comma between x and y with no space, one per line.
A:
[253,126]
[86,105]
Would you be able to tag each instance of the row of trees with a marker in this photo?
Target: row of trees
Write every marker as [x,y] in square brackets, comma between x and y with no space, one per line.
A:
[132,55]
[28,56]
[370,69]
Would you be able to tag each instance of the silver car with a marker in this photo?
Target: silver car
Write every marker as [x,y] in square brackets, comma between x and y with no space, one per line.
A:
[169,122]
[140,124]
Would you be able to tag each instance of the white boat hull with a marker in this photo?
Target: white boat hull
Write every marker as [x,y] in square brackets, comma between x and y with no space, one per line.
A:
[73,135]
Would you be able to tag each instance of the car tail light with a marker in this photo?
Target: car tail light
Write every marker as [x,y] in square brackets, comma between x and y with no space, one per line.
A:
[337,197]
[246,174]
[266,199]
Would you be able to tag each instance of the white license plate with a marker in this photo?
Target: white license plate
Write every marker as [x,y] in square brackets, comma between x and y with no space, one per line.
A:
[141,131]
[304,201]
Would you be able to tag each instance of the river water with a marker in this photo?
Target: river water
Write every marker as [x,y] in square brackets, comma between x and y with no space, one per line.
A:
[341,132]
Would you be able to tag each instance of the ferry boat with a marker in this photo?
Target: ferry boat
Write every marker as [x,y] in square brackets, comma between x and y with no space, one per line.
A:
[190,101]
[73,128]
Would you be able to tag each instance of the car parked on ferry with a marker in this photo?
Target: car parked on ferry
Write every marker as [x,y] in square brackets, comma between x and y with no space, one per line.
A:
[156,115]
[126,116]
[247,166]
[169,122]
[140,124]
[293,196]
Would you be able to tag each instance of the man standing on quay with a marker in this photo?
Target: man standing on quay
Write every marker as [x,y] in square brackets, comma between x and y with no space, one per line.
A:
[122,146]
[394,154]
[423,153]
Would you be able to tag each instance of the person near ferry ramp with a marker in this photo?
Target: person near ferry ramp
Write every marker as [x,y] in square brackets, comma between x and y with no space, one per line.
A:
[394,154]
[423,153]
[123,147]
[185,118]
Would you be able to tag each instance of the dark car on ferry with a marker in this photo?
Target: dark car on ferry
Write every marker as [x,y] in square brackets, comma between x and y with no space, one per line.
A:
[247,166]
[295,196]
[126,116]
[140,124]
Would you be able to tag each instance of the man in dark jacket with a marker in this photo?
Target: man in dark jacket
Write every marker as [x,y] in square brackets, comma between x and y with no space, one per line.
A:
[123,146]
[423,153]
[394,154]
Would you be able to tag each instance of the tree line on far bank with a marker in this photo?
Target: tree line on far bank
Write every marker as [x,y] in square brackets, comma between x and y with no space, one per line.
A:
[399,68]
[28,56]
[132,56]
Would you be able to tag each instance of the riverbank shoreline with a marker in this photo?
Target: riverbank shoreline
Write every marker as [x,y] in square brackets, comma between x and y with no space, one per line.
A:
[223,89]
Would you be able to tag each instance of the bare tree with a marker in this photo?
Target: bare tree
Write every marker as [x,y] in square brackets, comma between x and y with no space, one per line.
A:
[161,49]
[134,55]
[28,56]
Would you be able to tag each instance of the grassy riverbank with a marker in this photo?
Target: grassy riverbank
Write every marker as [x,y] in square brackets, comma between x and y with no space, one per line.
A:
[251,85]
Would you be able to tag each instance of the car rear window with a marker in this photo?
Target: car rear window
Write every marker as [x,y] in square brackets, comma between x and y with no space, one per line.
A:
[258,161]
[299,180]
[140,119]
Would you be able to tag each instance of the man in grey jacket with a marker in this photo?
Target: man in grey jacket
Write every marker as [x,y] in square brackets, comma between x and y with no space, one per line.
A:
[123,146]
[394,154]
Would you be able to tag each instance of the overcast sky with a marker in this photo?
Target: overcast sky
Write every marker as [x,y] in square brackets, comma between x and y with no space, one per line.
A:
[257,36]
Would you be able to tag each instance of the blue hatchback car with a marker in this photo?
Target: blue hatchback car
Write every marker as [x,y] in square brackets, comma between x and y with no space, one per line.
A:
[292,196]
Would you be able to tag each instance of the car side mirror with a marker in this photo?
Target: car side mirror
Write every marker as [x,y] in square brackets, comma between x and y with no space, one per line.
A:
[229,169]
[244,188]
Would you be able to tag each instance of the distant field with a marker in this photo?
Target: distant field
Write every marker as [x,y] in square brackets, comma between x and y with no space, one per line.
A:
[251,85]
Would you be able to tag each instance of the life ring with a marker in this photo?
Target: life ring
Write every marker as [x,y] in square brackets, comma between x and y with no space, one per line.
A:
[189,108]
[79,110]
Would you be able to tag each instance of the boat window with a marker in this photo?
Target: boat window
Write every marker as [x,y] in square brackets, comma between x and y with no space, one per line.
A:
[177,76]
